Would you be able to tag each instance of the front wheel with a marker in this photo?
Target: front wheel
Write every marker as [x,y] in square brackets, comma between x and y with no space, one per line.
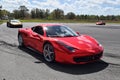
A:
[48,52]
[20,40]
[8,25]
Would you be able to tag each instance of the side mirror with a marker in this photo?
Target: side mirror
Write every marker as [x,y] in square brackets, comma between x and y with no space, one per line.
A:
[78,33]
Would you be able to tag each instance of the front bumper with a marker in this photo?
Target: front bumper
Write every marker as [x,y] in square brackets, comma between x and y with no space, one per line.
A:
[16,26]
[88,58]
[78,58]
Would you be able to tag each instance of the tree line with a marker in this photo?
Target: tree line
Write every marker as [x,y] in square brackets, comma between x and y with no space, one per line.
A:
[23,13]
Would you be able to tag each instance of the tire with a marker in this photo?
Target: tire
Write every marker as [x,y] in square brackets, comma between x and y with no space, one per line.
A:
[21,26]
[8,24]
[20,40]
[48,52]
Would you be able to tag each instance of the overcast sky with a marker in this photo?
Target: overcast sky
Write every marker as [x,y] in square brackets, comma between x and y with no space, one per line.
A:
[91,7]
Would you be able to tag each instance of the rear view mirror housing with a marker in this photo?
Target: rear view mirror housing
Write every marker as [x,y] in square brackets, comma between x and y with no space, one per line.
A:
[78,33]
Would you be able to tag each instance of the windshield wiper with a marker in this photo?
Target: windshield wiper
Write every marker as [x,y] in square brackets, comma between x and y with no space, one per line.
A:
[54,36]
[68,36]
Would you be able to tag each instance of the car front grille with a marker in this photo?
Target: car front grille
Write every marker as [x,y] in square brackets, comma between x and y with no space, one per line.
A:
[88,58]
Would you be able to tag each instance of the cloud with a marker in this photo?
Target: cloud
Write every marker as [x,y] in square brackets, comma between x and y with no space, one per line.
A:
[95,7]
[11,5]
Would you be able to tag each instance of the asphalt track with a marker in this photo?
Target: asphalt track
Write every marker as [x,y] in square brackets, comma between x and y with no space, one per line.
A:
[24,64]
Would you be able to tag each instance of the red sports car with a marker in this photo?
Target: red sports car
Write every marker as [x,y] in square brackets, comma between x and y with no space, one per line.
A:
[60,43]
[100,23]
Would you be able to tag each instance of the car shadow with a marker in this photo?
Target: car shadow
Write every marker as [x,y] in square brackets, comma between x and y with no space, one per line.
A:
[69,68]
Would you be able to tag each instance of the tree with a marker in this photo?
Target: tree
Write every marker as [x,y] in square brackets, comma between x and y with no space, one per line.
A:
[23,11]
[33,14]
[102,17]
[42,13]
[93,17]
[70,15]
[17,14]
[4,14]
[37,13]
[57,14]
[118,17]
[0,7]
[47,13]
[0,11]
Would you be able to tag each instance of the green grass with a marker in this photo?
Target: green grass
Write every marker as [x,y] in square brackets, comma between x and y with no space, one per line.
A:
[1,21]
[65,21]
[56,21]
[116,22]
[60,21]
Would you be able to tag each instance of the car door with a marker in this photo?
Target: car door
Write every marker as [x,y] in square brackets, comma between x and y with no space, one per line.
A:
[36,38]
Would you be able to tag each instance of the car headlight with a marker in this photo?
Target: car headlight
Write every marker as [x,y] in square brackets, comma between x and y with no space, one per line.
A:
[71,49]
[100,45]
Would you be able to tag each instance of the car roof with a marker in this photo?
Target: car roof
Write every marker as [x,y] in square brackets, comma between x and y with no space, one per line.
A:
[48,24]
[14,20]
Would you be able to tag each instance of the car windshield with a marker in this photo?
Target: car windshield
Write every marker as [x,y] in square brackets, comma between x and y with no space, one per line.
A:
[15,21]
[60,31]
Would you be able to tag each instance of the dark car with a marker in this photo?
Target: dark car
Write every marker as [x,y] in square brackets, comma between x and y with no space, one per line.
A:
[100,23]
[14,24]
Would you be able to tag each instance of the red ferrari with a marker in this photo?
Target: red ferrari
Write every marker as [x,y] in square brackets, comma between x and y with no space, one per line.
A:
[100,23]
[60,43]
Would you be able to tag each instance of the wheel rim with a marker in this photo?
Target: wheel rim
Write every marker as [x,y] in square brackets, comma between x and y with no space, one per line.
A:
[48,53]
[20,40]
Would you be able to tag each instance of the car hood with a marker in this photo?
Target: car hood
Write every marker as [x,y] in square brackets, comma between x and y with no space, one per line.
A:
[16,23]
[82,42]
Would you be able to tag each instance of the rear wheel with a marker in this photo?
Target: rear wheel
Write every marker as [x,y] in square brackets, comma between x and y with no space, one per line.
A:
[20,40]
[48,52]
[8,25]
[21,26]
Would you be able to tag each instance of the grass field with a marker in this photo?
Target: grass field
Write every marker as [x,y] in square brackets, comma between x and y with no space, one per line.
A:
[1,21]
[51,21]
[60,21]
[56,21]
[67,21]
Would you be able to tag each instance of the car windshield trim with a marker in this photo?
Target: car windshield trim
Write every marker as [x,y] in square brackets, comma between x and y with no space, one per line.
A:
[61,36]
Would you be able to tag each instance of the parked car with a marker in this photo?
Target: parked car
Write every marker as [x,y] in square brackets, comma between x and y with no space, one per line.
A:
[100,23]
[14,24]
[60,43]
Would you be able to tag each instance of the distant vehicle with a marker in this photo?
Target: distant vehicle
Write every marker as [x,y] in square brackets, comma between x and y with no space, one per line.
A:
[100,23]
[60,43]
[14,24]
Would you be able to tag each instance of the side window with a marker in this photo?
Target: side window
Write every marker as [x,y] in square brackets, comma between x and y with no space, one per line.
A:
[38,30]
